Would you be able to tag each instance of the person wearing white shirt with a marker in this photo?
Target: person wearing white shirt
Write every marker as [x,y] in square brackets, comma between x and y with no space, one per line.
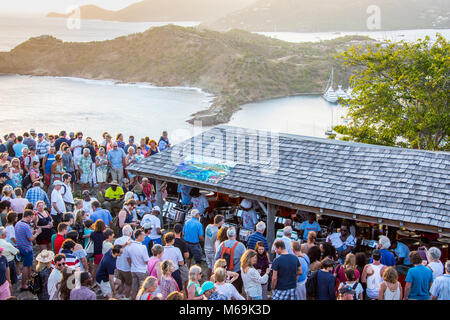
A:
[433,255]
[77,146]
[343,241]
[224,288]
[55,276]
[137,256]
[122,265]
[87,201]
[67,191]
[174,254]
[58,205]
[287,234]
[152,218]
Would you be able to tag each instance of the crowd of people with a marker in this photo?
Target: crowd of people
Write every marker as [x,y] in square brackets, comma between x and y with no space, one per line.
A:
[110,242]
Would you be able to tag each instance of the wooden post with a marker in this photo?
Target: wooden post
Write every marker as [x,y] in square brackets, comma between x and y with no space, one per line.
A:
[159,199]
[270,234]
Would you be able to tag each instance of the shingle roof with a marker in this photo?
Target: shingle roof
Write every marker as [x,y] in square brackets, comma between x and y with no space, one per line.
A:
[375,181]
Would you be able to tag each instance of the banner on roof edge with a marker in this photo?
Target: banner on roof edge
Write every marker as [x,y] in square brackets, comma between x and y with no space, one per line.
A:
[204,169]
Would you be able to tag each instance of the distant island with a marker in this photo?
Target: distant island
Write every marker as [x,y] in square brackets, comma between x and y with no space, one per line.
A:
[237,67]
[335,15]
[161,10]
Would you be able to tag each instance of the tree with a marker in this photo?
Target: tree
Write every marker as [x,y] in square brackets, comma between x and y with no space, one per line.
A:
[400,94]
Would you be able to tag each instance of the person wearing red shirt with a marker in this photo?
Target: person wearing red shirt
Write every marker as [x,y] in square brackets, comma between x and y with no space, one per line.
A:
[60,236]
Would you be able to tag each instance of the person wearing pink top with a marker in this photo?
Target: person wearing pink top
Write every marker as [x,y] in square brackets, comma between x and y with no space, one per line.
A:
[154,263]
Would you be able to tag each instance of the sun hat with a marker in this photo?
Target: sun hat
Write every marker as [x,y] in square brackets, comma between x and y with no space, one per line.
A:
[246,204]
[45,256]
[208,285]
[114,183]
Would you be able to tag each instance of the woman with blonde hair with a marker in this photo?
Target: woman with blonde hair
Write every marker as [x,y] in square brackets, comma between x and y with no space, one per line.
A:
[390,288]
[193,288]
[349,264]
[250,276]
[16,173]
[167,284]
[44,268]
[101,168]
[310,242]
[230,276]
[224,288]
[57,169]
[7,193]
[147,289]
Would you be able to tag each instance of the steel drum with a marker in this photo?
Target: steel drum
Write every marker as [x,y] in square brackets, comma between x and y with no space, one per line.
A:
[411,243]
[401,234]
[244,234]
[176,215]
[443,242]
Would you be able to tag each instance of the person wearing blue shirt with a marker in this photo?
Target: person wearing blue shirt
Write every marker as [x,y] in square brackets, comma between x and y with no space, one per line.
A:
[116,161]
[99,213]
[19,146]
[402,251]
[163,142]
[326,281]
[310,225]
[387,257]
[418,280]
[193,235]
[304,261]
[258,236]
[184,192]
[440,290]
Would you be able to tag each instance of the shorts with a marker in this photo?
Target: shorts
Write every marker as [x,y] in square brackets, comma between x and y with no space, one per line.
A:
[210,259]
[101,175]
[27,257]
[98,258]
[43,241]
[289,294]
[124,277]
[195,250]
[47,179]
[106,288]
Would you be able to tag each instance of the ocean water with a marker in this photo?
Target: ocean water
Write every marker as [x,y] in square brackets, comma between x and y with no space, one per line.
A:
[395,35]
[50,104]
[16,29]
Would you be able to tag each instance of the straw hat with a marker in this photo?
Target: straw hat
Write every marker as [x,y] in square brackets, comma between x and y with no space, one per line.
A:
[114,183]
[45,256]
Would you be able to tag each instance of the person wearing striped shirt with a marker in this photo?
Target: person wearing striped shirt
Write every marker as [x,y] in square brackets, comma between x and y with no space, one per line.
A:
[24,242]
[71,259]
[258,236]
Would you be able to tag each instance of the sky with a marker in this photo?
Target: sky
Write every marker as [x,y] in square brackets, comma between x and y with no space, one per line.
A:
[45,6]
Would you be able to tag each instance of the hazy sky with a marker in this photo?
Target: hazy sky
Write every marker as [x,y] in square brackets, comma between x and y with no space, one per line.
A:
[44,6]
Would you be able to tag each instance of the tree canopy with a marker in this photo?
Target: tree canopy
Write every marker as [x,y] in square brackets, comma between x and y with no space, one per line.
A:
[400,94]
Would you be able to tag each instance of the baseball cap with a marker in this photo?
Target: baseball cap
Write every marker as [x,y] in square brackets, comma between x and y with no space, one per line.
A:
[156,208]
[40,134]
[208,285]
[57,183]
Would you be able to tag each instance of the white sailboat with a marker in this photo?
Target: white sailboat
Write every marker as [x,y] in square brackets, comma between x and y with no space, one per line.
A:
[342,94]
[330,95]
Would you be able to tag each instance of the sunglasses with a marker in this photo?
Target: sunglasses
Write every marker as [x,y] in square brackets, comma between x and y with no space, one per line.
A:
[61,264]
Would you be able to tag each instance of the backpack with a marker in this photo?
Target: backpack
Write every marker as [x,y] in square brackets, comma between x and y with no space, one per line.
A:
[114,225]
[351,288]
[26,182]
[228,255]
[35,283]
[311,285]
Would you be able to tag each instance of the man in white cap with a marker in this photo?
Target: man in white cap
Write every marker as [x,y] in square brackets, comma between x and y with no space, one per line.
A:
[155,222]
[249,218]
[58,205]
